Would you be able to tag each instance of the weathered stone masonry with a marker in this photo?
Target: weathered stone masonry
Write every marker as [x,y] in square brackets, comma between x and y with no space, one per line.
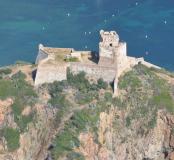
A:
[94,71]
[112,61]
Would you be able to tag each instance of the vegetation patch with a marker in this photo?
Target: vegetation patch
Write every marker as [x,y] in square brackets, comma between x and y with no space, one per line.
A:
[23,121]
[82,120]
[131,80]
[145,94]
[23,95]
[164,100]
[142,94]
[5,71]
[71,59]
[7,89]
[75,156]
[12,137]
[67,140]
[101,84]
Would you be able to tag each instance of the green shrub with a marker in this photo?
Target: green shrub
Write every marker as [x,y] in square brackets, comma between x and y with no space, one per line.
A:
[108,96]
[23,89]
[71,59]
[80,120]
[59,101]
[64,142]
[164,100]
[5,71]
[117,102]
[12,137]
[57,87]
[67,140]
[129,80]
[86,98]
[23,121]
[61,113]
[102,84]
[7,89]
[18,106]
[78,81]
[128,121]
[19,76]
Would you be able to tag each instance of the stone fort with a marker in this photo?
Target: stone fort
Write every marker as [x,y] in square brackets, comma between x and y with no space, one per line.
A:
[109,64]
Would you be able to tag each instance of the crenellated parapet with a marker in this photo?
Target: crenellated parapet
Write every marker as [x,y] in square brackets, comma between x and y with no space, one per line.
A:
[109,39]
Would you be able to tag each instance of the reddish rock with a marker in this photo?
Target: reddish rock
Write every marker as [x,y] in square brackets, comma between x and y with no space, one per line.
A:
[171,156]
[5,108]
[172,141]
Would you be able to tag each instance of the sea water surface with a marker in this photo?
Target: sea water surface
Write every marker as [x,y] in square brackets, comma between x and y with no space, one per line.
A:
[146,25]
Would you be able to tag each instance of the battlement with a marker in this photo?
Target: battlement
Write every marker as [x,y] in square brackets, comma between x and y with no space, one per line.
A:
[109,39]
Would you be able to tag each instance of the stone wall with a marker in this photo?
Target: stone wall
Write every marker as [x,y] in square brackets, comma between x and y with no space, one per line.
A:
[49,73]
[94,71]
[41,55]
[121,58]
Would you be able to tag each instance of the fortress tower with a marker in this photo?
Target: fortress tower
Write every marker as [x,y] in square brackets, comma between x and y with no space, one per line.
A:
[112,52]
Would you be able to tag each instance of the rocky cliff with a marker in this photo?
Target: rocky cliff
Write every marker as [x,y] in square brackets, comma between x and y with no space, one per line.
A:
[157,144]
[79,119]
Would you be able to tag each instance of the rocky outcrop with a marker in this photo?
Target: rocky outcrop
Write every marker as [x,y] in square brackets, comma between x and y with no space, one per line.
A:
[5,110]
[157,144]
[103,149]
[35,138]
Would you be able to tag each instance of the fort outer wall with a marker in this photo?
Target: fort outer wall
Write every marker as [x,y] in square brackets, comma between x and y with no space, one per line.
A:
[94,71]
[41,56]
[49,73]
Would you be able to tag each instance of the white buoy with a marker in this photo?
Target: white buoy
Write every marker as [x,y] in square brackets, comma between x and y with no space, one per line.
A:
[147,53]
[89,32]
[146,36]
[85,33]
[113,15]
[43,28]
[68,14]
[136,3]
[165,22]
[86,47]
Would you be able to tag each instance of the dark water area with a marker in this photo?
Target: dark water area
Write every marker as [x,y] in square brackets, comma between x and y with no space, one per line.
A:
[146,25]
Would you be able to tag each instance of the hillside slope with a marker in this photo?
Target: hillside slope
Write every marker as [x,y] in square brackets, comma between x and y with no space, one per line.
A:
[80,120]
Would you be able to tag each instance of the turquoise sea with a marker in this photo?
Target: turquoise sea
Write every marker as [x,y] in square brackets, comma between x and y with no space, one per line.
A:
[146,25]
